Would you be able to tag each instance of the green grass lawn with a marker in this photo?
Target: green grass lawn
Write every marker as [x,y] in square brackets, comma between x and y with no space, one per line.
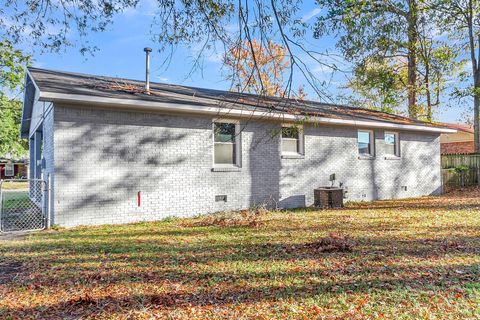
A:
[15,194]
[16,199]
[409,259]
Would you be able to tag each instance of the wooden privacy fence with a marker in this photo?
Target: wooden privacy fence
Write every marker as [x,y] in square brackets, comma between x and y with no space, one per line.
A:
[452,178]
[455,160]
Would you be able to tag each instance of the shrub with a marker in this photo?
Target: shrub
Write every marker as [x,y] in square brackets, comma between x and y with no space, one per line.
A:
[461,168]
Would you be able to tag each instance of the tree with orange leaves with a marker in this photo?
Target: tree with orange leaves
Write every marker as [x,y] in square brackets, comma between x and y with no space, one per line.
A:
[258,68]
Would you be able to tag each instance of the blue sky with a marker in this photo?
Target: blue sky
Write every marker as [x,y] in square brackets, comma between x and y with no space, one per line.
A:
[121,54]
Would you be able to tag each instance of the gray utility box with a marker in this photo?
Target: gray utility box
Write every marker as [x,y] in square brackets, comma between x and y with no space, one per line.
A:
[328,197]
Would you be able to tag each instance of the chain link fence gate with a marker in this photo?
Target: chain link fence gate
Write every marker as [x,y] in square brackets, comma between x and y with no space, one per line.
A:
[23,205]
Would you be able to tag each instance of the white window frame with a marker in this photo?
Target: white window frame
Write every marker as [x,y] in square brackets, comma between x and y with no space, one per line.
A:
[237,146]
[9,169]
[372,144]
[397,144]
[301,145]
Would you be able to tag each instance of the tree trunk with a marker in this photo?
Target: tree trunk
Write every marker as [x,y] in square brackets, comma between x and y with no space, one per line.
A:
[469,16]
[427,89]
[476,116]
[412,58]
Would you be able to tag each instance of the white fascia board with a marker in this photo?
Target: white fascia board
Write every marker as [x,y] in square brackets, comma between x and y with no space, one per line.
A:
[228,112]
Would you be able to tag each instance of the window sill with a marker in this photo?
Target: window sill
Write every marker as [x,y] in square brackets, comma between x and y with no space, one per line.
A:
[293,156]
[226,169]
[392,158]
[366,158]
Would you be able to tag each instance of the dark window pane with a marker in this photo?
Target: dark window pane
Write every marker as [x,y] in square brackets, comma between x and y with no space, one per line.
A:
[390,144]
[389,138]
[290,132]
[224,132]
[9,169]
[364,146]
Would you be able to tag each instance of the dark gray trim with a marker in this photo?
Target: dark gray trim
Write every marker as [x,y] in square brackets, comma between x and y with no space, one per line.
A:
[28,102]
[226,169]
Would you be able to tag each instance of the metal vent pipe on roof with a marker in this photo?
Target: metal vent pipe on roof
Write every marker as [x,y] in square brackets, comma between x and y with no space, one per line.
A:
[147,69]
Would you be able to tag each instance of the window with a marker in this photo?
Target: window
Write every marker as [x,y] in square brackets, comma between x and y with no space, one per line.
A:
[292,140]
[9,170]
[392,144]
[365,143]
[226,143]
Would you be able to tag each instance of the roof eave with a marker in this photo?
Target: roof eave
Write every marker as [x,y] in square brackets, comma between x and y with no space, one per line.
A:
[226,112]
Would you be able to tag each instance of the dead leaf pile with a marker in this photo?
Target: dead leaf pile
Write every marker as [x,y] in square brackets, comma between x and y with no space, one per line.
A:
[333,243]
[242,218]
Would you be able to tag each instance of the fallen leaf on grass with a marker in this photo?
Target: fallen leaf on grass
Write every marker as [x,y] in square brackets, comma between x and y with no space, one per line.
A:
[333,243]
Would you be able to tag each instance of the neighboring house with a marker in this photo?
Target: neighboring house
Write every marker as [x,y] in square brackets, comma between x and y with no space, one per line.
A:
[13,168]
[460,142]
[114,154]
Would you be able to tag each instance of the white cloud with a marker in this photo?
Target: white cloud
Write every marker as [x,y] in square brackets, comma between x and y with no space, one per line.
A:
[212,54]
[27,30]
[438,33]
[231,27]
[163,79]
[38,64]
[133,40]
[144,8]
[216,57]
[321,68]
[312,13]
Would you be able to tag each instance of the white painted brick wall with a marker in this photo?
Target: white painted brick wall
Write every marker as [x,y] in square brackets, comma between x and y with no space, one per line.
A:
[103,158]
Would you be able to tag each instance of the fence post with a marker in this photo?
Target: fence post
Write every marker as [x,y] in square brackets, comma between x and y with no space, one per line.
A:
[442,181]
[48,194]
[478,176]
[1,205]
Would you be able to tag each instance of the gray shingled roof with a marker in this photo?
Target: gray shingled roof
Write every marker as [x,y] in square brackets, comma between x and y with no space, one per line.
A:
[108,87]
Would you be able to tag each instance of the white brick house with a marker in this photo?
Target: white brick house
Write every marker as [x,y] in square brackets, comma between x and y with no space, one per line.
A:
[113,154]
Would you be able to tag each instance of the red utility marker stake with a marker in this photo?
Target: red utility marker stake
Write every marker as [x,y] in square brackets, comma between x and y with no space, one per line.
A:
[138,198]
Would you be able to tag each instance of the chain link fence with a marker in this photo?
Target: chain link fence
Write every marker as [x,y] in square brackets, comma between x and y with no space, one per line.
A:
[22,205]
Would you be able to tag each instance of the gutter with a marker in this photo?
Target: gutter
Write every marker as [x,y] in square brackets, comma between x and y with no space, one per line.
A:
[226,112]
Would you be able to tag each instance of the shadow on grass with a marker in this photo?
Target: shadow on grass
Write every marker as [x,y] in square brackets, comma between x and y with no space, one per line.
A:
[149,253]
[230,293]
[254,264]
